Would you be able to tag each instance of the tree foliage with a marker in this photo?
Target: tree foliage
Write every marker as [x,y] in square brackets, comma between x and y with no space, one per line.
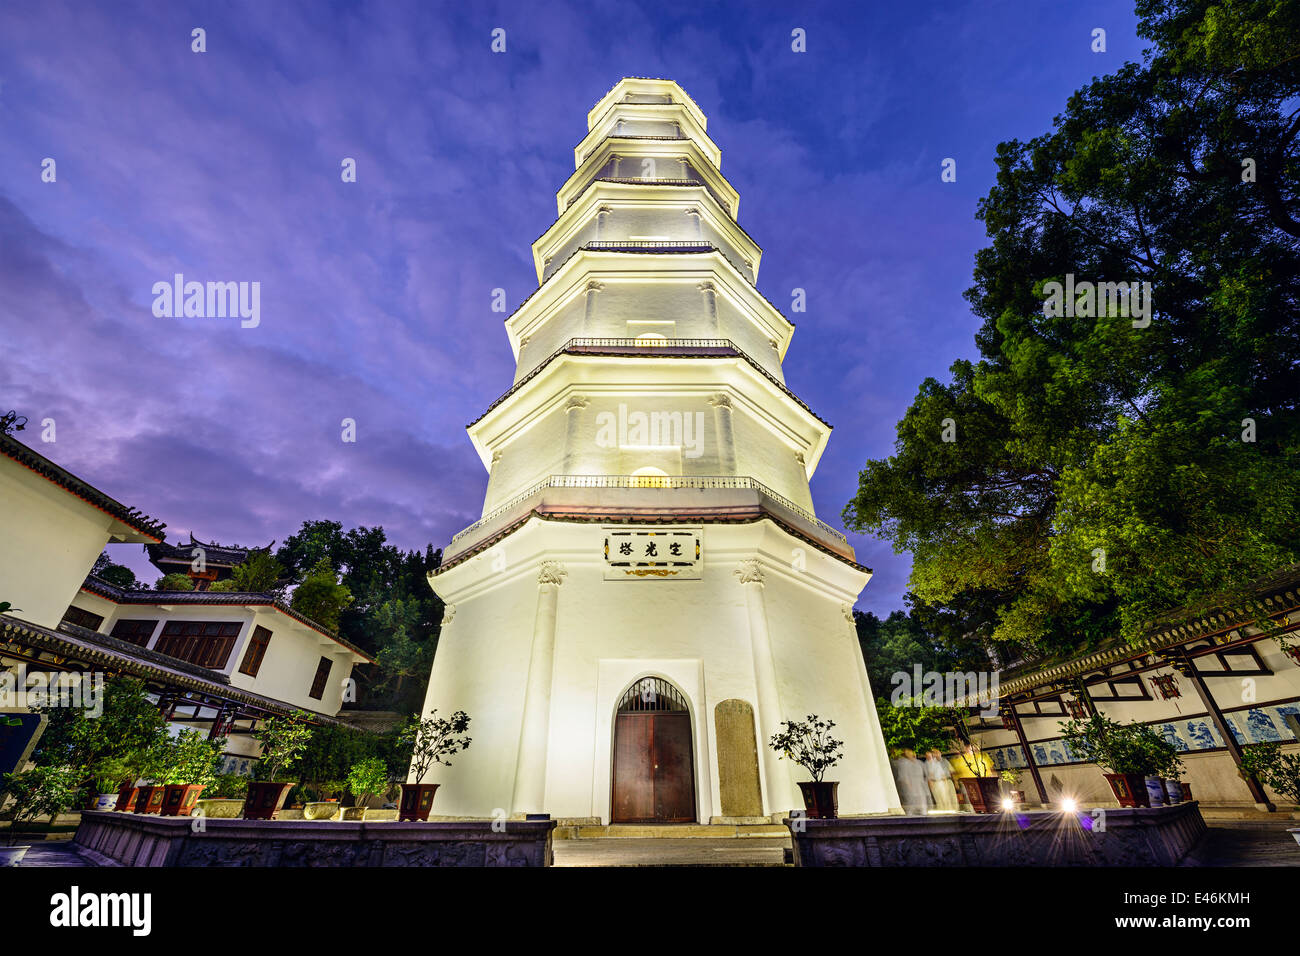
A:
[1103,474]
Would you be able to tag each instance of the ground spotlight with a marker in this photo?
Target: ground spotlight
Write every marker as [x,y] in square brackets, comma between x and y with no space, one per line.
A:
[1069,805]
[1008,804]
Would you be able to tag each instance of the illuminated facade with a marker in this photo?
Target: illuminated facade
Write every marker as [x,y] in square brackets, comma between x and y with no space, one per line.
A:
[649,593]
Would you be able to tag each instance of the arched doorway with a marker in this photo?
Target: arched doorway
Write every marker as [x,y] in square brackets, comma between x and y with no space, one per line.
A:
[654,763]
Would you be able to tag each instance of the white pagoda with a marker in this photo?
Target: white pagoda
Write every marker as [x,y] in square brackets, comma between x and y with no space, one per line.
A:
[648,593]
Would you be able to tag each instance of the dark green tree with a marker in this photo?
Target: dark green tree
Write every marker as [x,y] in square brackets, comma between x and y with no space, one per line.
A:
[1092,472]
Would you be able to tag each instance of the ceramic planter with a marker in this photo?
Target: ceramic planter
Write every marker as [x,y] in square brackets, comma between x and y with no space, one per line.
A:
[179,799]
[102,801]
[417,801]
[984,794]
[220,808]
[264,800]
[12,855]
[1295,832]
[1173,792]
[126,798]
[1155,792]
[320,810]
[150,800]
[354,813]
[821,800]
[1130,789]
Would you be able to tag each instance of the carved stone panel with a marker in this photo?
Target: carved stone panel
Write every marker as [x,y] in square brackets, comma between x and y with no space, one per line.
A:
[737,759]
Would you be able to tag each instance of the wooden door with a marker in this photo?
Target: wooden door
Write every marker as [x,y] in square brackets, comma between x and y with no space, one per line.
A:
[654,766]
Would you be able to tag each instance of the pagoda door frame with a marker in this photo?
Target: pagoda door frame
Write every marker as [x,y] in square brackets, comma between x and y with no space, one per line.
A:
[615,678]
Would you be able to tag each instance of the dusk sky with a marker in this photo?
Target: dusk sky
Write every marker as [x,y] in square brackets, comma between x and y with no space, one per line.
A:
[376,295]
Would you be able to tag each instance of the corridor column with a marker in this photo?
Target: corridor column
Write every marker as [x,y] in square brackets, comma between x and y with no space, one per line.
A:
[768,712]
[530,775]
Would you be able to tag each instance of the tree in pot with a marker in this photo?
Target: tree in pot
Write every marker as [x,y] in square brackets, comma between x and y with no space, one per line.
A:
[37,792]
[114,777]
[1126,753]
[153,767]
[426,742]
[983,787]
[191,763]
[283,740]
[365,780]
[809,744]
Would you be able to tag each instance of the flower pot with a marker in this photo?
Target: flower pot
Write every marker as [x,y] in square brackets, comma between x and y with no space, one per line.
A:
[417,801]
[101,801]
[1155,792]
[126,798]
[1173,793]
[320,810]
[354,813]
[984,794]
[1187,791]
[1017,797]
[150,800]
[12,855]
[220,808]
[179,799]
[1130,789]
[264,800]
[821,800]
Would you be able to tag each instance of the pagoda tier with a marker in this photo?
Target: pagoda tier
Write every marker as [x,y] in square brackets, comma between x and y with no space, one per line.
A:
[648,527]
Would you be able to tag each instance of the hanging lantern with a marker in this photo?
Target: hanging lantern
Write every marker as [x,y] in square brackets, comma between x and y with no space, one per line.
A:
[1167,686]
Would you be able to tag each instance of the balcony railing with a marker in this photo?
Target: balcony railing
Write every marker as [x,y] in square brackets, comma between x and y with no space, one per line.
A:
[655,482]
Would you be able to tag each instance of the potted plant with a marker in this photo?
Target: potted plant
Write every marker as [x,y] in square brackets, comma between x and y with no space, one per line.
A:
[326,804]
[983,787]
[35,793]
[114,778]
[225,798]
[191,762]
[283,740]
[1126,753]
[809,744]
[428,741]
[1011,777]
[365,779]
[1169,766]
[153,766]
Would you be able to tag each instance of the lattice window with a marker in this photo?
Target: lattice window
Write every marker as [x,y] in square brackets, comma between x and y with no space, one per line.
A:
[651,695]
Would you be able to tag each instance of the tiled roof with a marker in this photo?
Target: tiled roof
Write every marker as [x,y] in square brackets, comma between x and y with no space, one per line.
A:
[100,650]
[221,555]
[111,592]
[131,517]
[1274,594]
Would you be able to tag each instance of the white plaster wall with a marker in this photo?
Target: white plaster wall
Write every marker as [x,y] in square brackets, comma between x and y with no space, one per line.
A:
[609,633]
[50,542]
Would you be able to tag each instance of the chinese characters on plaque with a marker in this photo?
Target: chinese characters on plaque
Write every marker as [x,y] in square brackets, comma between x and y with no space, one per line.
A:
[658,553]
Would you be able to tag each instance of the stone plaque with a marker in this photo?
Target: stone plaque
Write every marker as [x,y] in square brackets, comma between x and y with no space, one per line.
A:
[737,759]
[650,553]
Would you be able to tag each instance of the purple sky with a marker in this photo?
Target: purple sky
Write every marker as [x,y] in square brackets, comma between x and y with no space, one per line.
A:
[376,295]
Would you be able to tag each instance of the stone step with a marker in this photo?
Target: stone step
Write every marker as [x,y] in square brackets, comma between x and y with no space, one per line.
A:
[671,831]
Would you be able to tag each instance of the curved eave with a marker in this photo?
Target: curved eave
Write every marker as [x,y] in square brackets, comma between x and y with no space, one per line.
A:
[569,281]
[649,85]
[576,216]
[528,391]
[585,174]
[656,518]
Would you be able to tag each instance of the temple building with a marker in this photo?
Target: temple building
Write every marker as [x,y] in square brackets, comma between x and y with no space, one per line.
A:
[215,560]
[217,661]
[648,593]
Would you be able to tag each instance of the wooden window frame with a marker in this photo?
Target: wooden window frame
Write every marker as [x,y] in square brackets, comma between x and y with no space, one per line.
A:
[204,643]
[258,642]
[73,612]
[136,627]
[322,677]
